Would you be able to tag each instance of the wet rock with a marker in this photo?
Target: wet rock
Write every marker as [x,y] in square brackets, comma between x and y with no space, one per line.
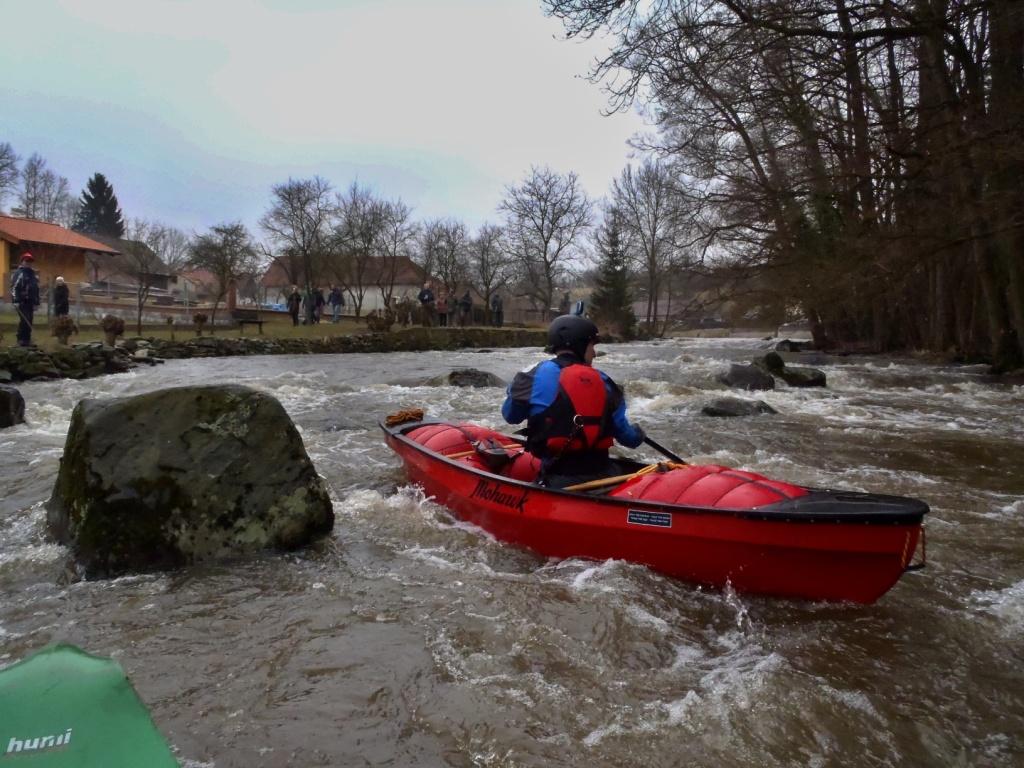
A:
[89,359]
[183,475]
[77,362]
[12,407]
[787,345]
[803,377]
[749,377]
[774,365]
[734,406]
[466,377]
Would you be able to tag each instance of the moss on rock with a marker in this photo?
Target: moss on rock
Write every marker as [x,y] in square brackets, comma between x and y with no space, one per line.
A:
[183,475]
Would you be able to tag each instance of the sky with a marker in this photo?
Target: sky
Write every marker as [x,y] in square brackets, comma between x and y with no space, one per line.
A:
[194,109]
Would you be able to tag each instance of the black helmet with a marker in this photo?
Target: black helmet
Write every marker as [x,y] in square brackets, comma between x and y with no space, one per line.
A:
[571,332]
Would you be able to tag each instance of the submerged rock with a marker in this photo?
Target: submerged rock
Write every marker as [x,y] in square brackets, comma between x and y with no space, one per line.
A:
[734,406]
[774,365]
[12,407]
[788,345]
[750,377]
[804,377]
[466,377]
[184,475]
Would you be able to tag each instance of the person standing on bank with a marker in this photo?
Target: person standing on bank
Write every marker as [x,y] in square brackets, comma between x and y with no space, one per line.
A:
[573,411]
[497,310]
[426,299]
[25,294]
[61,298]
[337,301]
[465,309]
[294,304]
[319,302]
[442,311]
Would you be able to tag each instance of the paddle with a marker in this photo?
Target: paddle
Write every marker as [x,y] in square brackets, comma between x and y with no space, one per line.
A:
[663,450]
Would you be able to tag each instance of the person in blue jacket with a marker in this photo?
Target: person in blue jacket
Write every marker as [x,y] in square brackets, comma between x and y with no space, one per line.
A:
[573,411]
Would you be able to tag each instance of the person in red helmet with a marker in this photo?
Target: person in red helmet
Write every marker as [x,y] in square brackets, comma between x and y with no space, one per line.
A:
[573,411]
[25,295]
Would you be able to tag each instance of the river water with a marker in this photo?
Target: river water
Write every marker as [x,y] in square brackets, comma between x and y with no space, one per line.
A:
[409,639]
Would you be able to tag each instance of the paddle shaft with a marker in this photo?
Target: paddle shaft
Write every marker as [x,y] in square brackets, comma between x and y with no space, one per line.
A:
[600,483]
[663,450]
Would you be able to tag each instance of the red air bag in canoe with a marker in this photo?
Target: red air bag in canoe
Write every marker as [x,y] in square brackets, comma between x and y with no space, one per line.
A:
[709,486]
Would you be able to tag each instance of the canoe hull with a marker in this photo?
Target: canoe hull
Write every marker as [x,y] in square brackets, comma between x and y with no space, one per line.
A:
[785,557]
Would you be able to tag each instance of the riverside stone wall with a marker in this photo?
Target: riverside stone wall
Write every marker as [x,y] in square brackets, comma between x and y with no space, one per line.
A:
[86,360]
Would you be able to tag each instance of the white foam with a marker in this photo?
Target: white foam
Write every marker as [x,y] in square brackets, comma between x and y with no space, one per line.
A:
[640,616]
[679,711]
[1005,605]
[687,656]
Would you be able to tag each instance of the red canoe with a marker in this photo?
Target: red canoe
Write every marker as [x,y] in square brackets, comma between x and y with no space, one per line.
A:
[705,524]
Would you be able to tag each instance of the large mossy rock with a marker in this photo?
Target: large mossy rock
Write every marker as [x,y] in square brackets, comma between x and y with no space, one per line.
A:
[184,475]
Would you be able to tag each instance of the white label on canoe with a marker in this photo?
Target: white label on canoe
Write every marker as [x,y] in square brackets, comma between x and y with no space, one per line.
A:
[642,517]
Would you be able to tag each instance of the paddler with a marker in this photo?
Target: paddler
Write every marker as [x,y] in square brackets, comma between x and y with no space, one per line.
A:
[573,411]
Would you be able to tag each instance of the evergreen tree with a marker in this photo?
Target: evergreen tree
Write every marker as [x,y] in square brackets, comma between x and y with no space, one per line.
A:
[99,212]
[611,302]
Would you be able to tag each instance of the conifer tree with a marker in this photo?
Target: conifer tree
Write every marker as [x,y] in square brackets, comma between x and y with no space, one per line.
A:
[611,302]
[99,212]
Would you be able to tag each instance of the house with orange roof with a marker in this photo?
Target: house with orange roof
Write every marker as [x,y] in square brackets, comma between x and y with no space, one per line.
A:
[55,249]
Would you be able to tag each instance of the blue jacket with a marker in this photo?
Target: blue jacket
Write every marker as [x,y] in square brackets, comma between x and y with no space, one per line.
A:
[532,392]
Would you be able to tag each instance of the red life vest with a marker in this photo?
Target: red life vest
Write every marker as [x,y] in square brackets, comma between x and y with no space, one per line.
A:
[580,417]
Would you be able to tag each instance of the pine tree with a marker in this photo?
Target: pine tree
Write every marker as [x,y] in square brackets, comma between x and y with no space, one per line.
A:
[99,212]
[611,303]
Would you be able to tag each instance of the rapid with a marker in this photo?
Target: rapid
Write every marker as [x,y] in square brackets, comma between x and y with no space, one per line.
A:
[407,638]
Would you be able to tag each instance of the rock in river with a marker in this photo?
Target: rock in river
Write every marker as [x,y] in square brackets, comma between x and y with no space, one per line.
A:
[748,377]
[466,377]
[12,407]
[774,365]
[734,406]
[184,475]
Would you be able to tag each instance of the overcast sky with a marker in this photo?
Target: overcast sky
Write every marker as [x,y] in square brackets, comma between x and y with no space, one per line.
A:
[193,109]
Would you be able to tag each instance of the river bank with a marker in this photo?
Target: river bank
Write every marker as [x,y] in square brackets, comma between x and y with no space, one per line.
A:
[83,361]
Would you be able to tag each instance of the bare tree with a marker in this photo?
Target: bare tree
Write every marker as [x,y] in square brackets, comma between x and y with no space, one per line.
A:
[142,243]
[489,263]
[447,239]
[356,236]
[43,194]
[298,224]
[174,248]
[8,171]
[429,245]
[228,253]
[647,207]
[830,140]
[396,242]
[546,217]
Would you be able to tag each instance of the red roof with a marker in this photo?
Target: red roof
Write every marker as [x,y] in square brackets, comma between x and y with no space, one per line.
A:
[199,276]
[275,275]
[20,231]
